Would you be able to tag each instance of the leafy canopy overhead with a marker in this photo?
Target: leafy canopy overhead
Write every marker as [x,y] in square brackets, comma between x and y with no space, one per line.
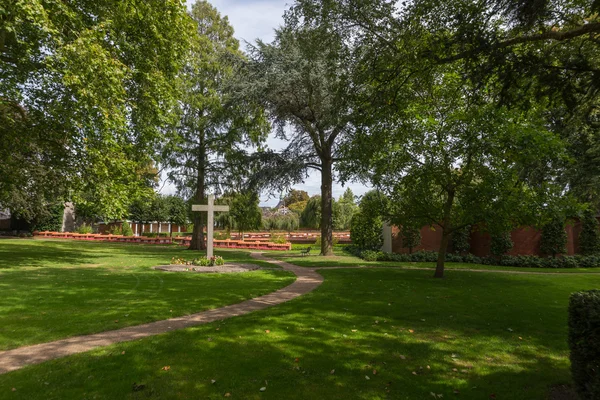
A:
[86,90]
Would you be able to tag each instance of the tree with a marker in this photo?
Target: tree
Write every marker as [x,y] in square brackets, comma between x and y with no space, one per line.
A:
[411,237]
[461,240]
[85,95]
[589,238]
[298,207]
[500,243]
[554,237]
[311,215]
[535,51]
[177,211]
[215,124]
[343,211]
[303,80]
[295,196]
[366,224]
[455,158]
[245,212]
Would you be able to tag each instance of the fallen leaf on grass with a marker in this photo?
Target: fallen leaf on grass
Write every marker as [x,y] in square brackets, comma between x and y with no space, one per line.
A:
[116,321]
[374,372]
[166,368]
[414,373]
[213,381]
[296,360]
[267,331]
[262,389]
[122,352]
[367,377]
[332,371]
[14,389]
[227,394]
[456,391]
[353,330]
[411,331]
[402,357]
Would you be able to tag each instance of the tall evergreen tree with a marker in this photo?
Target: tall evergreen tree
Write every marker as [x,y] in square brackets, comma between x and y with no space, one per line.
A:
[216,126]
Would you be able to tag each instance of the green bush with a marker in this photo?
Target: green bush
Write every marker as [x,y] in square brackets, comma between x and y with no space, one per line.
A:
[500,244]
[370,255]
[84,229]
[221,235]
[279,239]
[150,234]
[523,261]
[115,230]
[208,262]
[366,232]
[554,237]
[461,240]
[126,229]
[411,237]
[584,342]
[589,238]
[51,220]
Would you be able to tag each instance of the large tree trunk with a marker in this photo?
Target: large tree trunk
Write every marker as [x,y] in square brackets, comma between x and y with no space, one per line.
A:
[326,206]
[197,242]
[446,231]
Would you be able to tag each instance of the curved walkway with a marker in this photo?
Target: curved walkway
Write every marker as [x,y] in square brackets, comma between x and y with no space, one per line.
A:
[307,280]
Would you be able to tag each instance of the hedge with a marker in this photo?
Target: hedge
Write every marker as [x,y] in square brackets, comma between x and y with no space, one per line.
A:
[584,342]
[578,261]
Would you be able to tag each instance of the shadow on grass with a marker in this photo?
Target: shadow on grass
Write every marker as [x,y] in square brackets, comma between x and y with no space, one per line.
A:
[46,304]
[411,335]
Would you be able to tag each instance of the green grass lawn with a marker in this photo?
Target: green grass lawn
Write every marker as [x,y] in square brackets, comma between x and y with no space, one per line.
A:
[52,289]
[342,258]
[363,334]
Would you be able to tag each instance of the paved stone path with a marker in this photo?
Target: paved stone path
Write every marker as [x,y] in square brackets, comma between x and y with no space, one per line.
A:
[307,280]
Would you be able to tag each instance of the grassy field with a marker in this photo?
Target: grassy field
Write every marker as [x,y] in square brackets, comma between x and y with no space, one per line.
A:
[342,258]
[364,334]
[52,289]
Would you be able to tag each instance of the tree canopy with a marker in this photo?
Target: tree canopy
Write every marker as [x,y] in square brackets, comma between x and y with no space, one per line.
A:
[216,126]
[86,91]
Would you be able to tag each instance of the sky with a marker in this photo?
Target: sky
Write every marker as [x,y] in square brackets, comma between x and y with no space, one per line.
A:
[257,19]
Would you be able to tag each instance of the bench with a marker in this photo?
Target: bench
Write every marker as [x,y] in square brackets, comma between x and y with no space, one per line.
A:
[305,252]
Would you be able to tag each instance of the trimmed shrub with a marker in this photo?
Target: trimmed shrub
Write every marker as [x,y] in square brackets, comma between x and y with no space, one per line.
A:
[51,220]
[554,237]
[500,244]
[279,239]
[369,255]
[584,342]
[461,240]
[525,261]
[84,229]
[126,229]
[589,238]
[115,230]
[411,237]
[366,232]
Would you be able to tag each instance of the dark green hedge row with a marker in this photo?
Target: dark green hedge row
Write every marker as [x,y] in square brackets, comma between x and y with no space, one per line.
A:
[577,261]
[584,342]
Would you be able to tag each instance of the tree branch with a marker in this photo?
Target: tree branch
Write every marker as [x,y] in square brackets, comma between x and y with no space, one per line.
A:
[548,35]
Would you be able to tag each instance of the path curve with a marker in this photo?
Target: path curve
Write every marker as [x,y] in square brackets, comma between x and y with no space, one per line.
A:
[306,280]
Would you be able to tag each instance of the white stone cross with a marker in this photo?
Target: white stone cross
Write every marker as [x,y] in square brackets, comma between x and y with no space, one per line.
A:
[211,208]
